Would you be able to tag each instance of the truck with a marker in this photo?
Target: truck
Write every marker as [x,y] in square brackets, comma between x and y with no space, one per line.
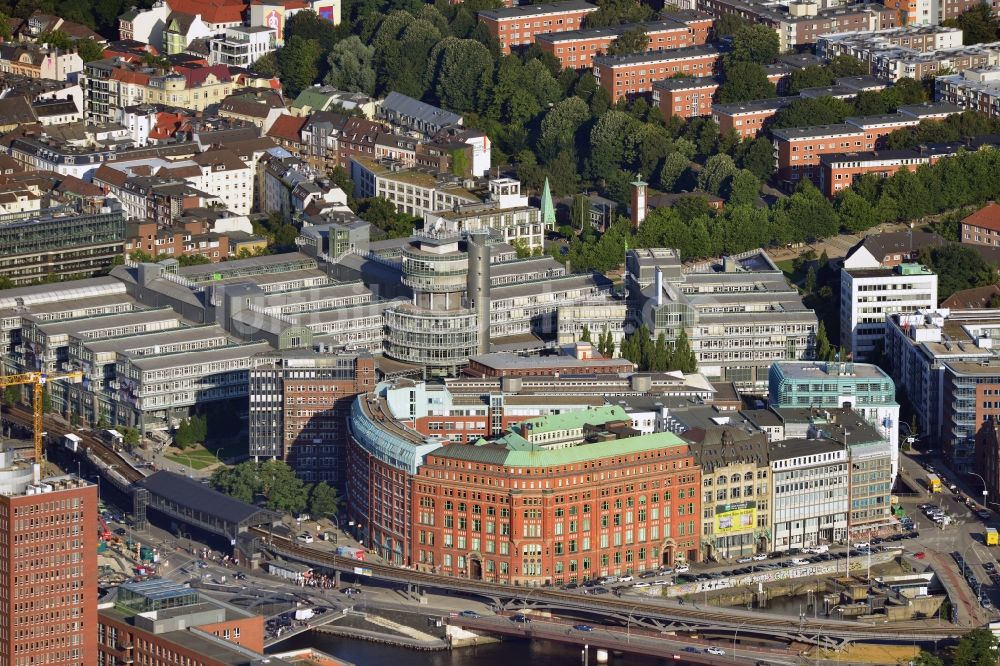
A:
[934,483]
[72,442]
[992,536]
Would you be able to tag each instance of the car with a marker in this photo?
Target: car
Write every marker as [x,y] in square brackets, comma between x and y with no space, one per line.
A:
[919,556]
[715,650]
[862,545]
[682,568]
[759,557]
[202,564]
[351,591]
[986,603]
[984,514]
[691,649]
[666,570]
[798,561]
[744,560]
[469,613]
[583,627]
[648,574]
[989,566]
[599,590]
[702,577]
[625,579]
[641,584]
[520,618]
[570,586]
[305,537]
[121,531]
[239,575]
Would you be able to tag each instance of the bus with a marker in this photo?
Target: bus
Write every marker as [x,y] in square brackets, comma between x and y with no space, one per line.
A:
[934,483]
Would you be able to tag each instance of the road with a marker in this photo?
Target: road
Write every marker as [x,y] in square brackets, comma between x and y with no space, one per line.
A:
[964,535]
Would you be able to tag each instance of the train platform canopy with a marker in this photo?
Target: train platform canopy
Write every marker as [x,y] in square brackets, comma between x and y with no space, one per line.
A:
[199,505]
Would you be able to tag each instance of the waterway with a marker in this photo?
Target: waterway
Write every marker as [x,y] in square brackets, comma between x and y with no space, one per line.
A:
[507,653]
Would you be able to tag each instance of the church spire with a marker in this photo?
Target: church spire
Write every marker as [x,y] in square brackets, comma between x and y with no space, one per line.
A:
[548,210]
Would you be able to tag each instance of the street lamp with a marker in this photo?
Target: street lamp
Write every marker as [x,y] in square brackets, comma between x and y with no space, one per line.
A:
[736,635]
[985,491]
[628,625]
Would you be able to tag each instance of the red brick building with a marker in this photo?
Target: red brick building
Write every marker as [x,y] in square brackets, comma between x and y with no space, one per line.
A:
[518,26]
[685,97]
[631,75]
[747,119]
[48,605]
[576,49]
[983,226]
[799,149]
[547,504]
[876,128]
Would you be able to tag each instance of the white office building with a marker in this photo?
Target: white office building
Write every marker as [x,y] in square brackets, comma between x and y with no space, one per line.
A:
[241,46]
[810,492]
[869,295]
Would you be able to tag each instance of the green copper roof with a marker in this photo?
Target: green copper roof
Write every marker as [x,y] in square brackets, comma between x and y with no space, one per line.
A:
[499,452]
[312,98]
[575,419]
[548,210]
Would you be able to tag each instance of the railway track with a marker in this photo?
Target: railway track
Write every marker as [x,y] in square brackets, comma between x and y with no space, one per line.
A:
[725,618]
[91,443]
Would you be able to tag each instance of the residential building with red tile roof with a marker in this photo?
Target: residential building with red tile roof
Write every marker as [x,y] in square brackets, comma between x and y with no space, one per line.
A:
[983,226]
[287,131]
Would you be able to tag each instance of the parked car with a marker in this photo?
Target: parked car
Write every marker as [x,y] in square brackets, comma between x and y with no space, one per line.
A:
[984,514]
[520,618]
[744,560]
[919,556]
[715,650]
[583,627]
[469,613]
[682,568]
[627,578]
[759,557]
[305,537]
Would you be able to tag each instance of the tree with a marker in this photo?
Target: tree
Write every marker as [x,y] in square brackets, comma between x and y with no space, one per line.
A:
[579,212]
[56,39]
[461,73]
[957,267]
[585,335]
[559,127]
[5,31]
[351,69]
[824,351]
[618,12]
[755,43]
[743,188]
[130,436]
[813,76]
[717,170]
[728,24]
[323,501]
[283,490]
[806,112]
[684,358]
[759,159]
[674,166]
[382,214]
[847,65]
[745,81]
[191,431]
[298,63]
[926,658]
[11,395]
[976,648]
[266,65]
[979,24]
[627,43]
[89,50]
[856,214]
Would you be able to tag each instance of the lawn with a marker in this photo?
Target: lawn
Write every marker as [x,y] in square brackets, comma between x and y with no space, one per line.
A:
[786,268]
[196,457]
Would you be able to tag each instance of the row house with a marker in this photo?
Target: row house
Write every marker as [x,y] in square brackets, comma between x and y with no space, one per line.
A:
[518,26]
[576,48]
[630,75]
[685,97]
[799,149]
[976,89]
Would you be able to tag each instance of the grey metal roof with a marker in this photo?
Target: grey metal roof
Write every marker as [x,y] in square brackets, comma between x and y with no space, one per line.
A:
[192,494]
[414,108]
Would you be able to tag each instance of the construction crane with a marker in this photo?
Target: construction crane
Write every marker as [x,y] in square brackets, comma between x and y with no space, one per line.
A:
[38,381]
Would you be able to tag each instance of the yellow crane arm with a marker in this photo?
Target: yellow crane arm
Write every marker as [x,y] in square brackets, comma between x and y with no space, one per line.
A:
[38,381]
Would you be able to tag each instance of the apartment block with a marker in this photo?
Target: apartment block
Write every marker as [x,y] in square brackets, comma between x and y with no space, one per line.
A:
[915,37]
[971,393]
[868,296]
[876,128]
[413,191]
[983,226]
[747,119]
[241,46]
[802,23]
[838,171]
[917,52]
[516,27]
[685,97]
[799,150]
[36,61]
[576,49]
[977,89]
[631,75]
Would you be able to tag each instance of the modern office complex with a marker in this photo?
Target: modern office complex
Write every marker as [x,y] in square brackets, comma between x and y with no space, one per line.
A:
[816,385]
[740,316]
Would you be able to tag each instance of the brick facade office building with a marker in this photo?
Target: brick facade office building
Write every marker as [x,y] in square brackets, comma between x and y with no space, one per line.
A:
[518,26]
[48,605]
[631,75]
[543,506]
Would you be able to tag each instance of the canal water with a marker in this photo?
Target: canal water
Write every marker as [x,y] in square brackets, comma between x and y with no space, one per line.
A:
[507,653]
